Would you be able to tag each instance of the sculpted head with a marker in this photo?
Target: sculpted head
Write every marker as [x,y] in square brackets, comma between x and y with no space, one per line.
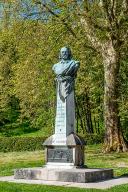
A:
[65,53]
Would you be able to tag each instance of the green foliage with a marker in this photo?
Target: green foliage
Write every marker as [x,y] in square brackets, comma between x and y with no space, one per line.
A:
[24,76]
[31,47]
[31,77]
[9,105]
[8,144]
[92,139]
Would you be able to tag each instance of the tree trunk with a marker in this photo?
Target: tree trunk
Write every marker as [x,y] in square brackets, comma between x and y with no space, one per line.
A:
[114,140]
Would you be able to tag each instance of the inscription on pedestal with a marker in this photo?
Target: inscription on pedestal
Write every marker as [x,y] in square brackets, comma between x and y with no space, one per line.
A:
[60,117]
[62,155]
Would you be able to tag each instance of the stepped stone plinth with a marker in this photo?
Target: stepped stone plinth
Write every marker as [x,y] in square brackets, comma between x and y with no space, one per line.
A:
[83,175]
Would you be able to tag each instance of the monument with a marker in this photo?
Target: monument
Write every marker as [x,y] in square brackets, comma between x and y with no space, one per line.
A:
[65,147]
[64,150]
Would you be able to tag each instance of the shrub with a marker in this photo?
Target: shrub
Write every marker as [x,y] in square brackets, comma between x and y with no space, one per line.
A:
[9,144]
[94,138]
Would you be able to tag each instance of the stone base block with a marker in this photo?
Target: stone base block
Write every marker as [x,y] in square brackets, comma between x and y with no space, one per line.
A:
[78,175]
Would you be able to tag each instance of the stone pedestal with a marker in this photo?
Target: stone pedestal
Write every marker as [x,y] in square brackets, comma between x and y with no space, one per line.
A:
[65,148]
[65,175]
[65,118]
[65,156]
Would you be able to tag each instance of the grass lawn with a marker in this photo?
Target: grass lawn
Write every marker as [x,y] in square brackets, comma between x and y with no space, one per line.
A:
[93,158]
[11,187]
[10,161]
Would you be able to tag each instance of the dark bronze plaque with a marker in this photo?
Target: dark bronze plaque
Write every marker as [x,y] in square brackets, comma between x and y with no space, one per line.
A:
[62,155]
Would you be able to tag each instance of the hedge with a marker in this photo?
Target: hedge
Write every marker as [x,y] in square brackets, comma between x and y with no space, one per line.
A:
[10,144]
[94,138]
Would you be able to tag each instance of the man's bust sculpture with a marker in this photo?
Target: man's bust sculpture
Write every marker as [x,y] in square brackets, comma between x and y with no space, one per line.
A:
[65,72]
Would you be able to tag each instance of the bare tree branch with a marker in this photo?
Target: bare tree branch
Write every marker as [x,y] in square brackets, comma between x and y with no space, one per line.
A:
[58,17]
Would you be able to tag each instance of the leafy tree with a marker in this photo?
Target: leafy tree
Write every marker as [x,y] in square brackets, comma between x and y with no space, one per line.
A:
[104,25]
[9,105]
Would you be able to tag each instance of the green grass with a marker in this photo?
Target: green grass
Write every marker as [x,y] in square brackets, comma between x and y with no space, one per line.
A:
[93,158]
[34,188]
[11,187]
[12,160]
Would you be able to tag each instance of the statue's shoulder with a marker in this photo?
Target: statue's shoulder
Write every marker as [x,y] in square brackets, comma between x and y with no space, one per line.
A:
[55,65]
[74,62]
